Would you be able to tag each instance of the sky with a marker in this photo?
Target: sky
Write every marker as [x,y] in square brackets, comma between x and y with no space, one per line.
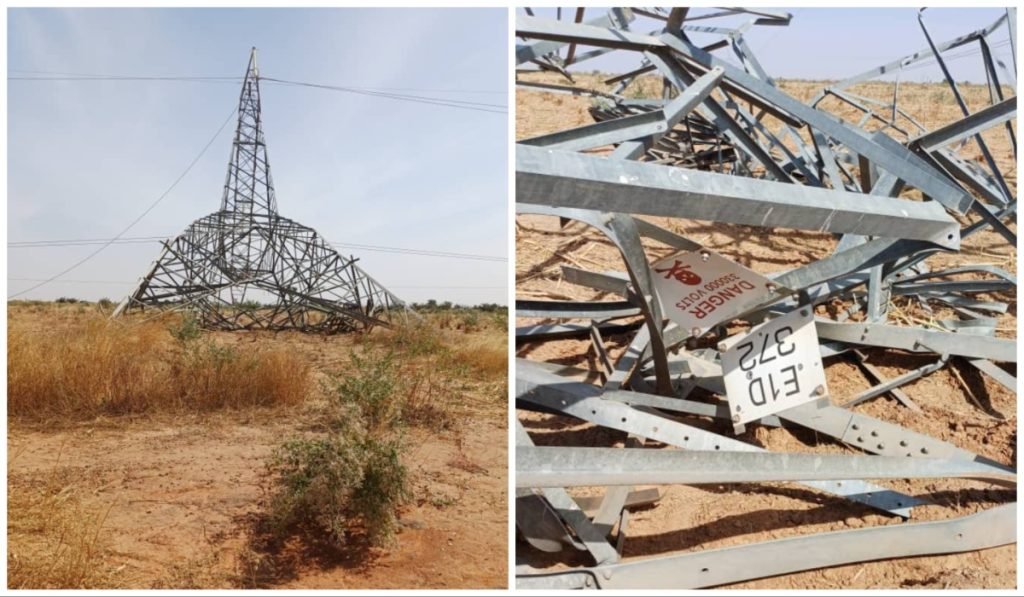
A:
[86,158]
[835,43]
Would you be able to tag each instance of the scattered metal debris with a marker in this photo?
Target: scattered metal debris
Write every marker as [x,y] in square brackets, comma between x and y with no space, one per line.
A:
[703,151]
[247,267]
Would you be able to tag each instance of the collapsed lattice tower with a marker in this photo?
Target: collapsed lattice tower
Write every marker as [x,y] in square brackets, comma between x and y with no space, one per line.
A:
[246,267]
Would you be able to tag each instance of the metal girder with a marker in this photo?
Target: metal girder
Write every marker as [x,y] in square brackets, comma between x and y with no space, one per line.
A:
[990,528]
[576,309]
[603,133]
[584,402]
[591,537]
[565,179]
[895,161]
[919,340]
[968,127]
[551,466]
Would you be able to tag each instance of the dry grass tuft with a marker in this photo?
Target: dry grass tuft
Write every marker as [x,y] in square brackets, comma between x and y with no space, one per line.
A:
[487,356]
[54,541]
[95,367]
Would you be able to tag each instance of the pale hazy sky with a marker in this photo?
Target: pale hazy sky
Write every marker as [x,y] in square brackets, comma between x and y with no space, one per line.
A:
[835,43]
[85,158]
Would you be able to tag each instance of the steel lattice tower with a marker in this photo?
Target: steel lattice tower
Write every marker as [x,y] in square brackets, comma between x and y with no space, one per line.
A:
[246,267]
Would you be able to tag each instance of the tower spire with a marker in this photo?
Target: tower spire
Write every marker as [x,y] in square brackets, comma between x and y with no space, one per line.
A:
[249,188]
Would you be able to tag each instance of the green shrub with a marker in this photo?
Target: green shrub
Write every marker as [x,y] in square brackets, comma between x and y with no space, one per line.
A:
[368,393]
[338,484]
[352,479]
[187,329]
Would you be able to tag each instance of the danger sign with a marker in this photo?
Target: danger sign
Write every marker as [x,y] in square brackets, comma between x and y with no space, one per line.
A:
[699,290]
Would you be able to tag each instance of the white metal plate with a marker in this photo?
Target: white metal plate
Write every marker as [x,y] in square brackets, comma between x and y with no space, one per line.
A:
[700,289]
[777,365]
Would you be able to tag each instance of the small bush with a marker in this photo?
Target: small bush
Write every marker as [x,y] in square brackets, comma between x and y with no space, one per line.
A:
[187,329]
[470,321]
[352,479]
[338,485]
[368,392]
[413,338]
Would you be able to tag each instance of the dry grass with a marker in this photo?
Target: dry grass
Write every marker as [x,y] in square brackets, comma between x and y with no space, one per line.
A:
[451,340]
[53,540]
[487,356]
[446,358]
[92,367]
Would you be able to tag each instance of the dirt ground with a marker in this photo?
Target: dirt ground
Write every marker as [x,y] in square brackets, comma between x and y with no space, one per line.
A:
[184,494]
[959,405]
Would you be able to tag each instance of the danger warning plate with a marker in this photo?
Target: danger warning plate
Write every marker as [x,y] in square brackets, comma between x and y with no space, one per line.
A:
[777,365]
[700,289]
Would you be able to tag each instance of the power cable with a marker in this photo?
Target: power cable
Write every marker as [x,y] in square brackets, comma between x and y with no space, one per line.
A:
[136,220]
[477,106]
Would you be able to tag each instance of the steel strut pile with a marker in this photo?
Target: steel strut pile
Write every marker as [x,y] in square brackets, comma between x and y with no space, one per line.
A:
[247,267]
[704,151]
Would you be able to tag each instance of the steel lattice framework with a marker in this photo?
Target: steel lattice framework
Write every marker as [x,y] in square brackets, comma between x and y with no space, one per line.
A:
[724,144]
[247,267]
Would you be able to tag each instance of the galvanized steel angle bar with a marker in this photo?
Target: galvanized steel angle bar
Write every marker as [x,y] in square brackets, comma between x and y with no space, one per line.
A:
[566,179]
[895,161]
[534,385]
[919,340]
[591,536]
[990,528]
[548,466]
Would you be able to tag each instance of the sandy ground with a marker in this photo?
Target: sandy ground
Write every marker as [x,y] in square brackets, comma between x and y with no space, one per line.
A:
[183,498]
[184,495]
[959,405]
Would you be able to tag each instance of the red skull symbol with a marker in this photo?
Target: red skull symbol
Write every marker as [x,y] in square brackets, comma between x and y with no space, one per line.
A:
[681,273]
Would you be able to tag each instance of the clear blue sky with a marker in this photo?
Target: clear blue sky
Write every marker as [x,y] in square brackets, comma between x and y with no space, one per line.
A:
[835,43]
[86,157]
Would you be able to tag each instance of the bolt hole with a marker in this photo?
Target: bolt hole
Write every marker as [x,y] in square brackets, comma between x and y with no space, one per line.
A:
[703,569]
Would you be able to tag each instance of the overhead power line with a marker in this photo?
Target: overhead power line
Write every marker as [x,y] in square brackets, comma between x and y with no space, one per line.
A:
[386,93]
[60,76]
[478,106]
[124,231]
